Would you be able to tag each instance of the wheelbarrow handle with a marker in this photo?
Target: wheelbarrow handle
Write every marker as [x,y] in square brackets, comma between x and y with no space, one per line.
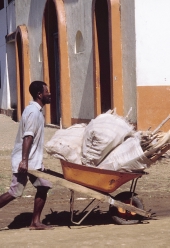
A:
[130,208]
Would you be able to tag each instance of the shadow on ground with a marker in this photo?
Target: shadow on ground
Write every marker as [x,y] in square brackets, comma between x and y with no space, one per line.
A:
[62,219]
[20,221]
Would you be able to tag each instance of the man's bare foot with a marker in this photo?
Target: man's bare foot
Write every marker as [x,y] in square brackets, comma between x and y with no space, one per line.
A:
[40,226]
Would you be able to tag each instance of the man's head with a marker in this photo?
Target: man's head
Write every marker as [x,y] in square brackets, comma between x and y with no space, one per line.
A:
[39,92]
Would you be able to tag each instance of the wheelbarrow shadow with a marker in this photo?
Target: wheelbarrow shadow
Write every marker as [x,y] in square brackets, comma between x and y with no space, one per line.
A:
[97,217]
[62,218]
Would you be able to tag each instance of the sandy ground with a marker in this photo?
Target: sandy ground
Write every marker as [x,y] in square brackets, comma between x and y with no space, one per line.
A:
[97,230]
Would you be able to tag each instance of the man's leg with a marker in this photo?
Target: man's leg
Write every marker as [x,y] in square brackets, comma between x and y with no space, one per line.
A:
[16,189]
[5,199]
[39,202]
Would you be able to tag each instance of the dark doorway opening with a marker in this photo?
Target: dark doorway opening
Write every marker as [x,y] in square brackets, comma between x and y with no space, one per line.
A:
[102,29]
[51,29]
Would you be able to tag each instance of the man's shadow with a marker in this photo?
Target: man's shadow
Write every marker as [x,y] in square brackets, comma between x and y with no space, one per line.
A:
[20,221]
[62,218]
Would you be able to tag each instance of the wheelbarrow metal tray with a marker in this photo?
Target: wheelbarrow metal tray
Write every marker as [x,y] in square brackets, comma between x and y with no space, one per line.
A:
[99,179]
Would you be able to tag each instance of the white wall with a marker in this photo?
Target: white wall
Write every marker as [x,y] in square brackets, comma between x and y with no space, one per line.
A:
[11,63]
[152,42]
[79,18]
[11,60]
[3,26]
[35,37]
[3,32]
[11,21]
[30,13]
[4,92]
[129,57]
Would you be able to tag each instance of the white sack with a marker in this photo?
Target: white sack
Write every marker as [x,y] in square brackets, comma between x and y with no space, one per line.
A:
[128,156]
[102,135]
[66,144]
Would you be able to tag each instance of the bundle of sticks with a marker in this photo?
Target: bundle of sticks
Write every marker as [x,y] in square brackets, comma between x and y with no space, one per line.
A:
[155,143]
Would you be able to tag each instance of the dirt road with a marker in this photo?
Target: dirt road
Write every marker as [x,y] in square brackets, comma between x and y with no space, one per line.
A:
[97,230]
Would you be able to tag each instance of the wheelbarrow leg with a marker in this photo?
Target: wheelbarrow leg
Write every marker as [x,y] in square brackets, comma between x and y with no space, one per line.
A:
[133,188]
[88,212]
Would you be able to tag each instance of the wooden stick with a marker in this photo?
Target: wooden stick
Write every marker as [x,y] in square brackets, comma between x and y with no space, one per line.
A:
[130,110]
[164,149]
[161,124]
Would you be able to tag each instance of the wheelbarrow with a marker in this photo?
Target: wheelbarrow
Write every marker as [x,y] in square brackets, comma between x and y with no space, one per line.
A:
[125,208]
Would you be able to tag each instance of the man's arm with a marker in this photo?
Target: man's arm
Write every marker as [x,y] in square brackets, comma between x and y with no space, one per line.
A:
[26,147]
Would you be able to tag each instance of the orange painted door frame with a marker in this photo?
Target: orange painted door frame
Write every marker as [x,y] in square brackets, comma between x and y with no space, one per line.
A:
[22,69]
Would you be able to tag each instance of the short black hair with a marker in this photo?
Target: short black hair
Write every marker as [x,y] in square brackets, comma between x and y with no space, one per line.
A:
[36,87]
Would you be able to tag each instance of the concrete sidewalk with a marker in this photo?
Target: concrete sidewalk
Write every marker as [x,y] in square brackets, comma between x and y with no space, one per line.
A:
[8,132]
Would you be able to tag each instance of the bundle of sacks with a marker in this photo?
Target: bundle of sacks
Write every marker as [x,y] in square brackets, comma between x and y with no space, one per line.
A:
[108,142]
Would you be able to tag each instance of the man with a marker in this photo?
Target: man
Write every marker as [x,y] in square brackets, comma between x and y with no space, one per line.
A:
[28,154]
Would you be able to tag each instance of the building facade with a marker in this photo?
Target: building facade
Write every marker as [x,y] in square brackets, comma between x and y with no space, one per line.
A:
[146,60]
[95,55]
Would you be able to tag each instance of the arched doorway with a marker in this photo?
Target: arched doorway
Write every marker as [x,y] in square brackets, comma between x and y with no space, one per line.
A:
[22,68]
[56,67]
[108,86]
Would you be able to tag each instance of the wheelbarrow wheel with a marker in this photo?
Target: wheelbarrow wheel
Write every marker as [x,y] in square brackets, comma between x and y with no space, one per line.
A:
[123,217]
